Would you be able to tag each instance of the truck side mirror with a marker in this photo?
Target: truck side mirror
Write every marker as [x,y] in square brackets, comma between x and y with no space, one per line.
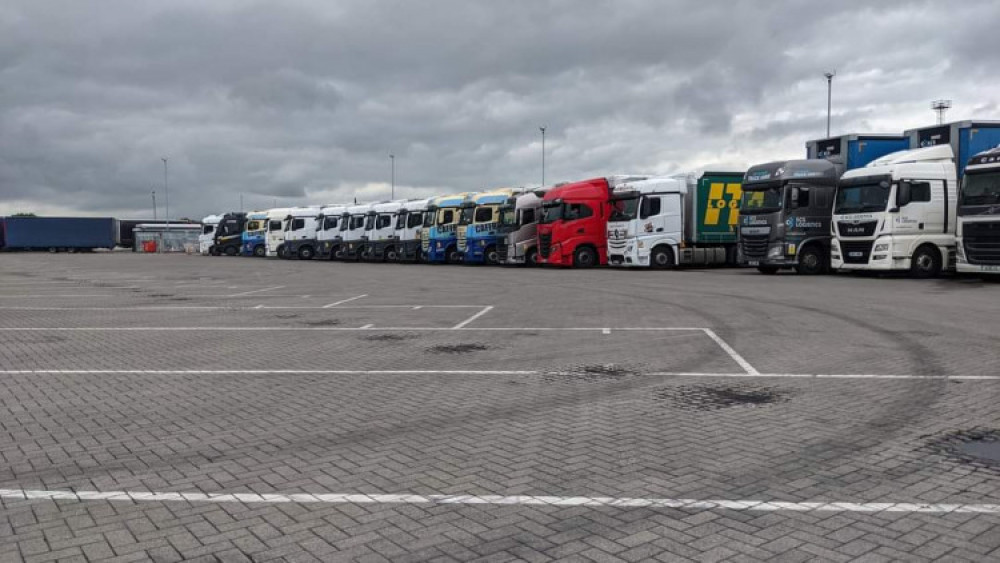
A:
[903,194]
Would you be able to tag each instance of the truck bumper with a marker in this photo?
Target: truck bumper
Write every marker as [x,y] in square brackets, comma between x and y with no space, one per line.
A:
[629,257]
[962,263]
[883,256]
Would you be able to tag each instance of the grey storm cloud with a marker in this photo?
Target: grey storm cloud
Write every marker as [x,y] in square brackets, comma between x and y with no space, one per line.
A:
[302,101]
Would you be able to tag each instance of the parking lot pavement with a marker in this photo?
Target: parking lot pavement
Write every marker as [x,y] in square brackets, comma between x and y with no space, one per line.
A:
[177,407]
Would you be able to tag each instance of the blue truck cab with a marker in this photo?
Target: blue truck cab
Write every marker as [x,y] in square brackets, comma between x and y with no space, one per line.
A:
[442,235]
[480,228]
[254,237]
[856,150]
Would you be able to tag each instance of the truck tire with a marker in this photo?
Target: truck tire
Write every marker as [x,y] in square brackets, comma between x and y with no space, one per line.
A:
[490,256]
[231,251]
[926,262]
[811,261]
[390,255]
[767,270]
[214,251]
[661,258]
[584,257]
[259,251]
[306,253]
[531,258]
[337,253]
[452,256]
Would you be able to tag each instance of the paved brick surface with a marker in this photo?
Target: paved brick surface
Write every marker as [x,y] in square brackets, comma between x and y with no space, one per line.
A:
[595,415]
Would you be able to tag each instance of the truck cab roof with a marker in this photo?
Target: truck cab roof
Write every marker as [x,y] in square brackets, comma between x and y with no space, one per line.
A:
[595,188]
[303,212]
[359,209]
[650,186]
[929,162]
[987,159]
[415,205]
[211,219]
[333,210]
[278,212]
[453,200]
[257,215]
[816,171]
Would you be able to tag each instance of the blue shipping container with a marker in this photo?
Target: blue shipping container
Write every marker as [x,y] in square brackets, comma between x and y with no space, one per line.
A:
[58,232]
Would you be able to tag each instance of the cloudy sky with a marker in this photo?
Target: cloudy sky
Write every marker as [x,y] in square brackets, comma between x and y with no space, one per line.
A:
[301,101]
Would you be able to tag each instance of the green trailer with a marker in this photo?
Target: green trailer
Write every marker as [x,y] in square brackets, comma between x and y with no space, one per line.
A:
[716,208]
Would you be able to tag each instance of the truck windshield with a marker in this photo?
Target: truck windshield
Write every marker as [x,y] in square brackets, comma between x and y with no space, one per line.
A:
[401,220]
[981,188]
[761,200]
[255,225]
[345,221]
[208,229]
[551,212]
[414,220]
[429,218]
[466,217]
[369,222]
[624,209]
[357,221]
[330,223]
[861,198]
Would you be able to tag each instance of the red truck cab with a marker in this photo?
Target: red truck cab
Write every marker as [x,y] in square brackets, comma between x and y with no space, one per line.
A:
[572,230]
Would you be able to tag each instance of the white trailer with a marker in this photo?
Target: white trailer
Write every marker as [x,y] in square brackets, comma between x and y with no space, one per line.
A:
[898,214]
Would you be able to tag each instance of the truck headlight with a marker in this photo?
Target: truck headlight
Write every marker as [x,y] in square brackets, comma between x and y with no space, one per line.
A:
[883,247]
[776,251]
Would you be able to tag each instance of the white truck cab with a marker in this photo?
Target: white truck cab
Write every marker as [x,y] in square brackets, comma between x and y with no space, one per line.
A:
[354,234]
[646,225]
[409,222]
[979,215]
[898,214]
[329,234]
[275,229]
[207,236]
[300,233]
[382,242]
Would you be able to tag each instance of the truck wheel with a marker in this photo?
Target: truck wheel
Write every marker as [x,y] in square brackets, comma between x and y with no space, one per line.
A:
[306,253]
[490,256]
[282,253]
[767,270]
[259,251]
[926,262]
[531,258]
[811,262]
[390,255]
[214,251]
[662,258]
[231,251]
[453,256]
[337,253]
[584,257]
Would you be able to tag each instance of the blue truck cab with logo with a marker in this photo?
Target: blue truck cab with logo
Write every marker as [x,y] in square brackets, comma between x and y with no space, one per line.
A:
[442,235]
[480,227]
[254,237]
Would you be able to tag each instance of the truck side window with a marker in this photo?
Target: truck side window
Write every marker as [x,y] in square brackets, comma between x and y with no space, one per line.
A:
[383,221]
[920,191]
[274,226]
[447,216]
[804,197]
[527,216]
[483,215]
[654,206]
[414,220]
[578,211]
[298,224]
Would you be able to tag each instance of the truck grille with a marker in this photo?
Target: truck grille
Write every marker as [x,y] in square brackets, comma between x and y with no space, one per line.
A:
[856,252]
[754,246]
[463,235]
[865,229]
[502,251]
[425,240]
[545,244]
[981,242]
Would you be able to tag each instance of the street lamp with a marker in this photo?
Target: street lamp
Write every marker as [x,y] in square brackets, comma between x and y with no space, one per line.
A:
[941,107]
[166,197]
[392,181]
[154,205]
[829,98]
[542,129]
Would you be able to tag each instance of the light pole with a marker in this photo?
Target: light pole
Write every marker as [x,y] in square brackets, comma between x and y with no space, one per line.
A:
[941,106]
[154,205]
[166,197]
[829,98]
[392,180]
[542,129]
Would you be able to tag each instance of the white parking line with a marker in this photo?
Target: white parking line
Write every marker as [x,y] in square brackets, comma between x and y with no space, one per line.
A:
[732,353]
[462,324]
[335,303]
[514,500]
[243,293]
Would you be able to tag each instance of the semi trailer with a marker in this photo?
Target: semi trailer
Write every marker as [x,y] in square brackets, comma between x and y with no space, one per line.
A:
[785,213]
[329,231]
[207,237]
[442,235]
[300,233]
[480,229]
[58,234]
[229,234]
[573,227]
[254,238]
[409,225]
[856,150]
[898,214]
[519,224]
[966,138]
[685,220]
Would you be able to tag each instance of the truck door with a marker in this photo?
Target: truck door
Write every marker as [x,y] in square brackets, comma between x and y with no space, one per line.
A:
[924,212]
[670,216]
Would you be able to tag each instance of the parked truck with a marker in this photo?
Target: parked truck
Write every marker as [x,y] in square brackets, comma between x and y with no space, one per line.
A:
[354,241]
[229,234]
[978,235]
[898,214]
[857,150]
[58,234]
[276,219]
[519,224]
[480,229]
[254,238]
[573,229]
[685,220]
[381,236]
[785,213]
[331,224]
[409,225]
[300,233]
[442,235]
[207,237]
